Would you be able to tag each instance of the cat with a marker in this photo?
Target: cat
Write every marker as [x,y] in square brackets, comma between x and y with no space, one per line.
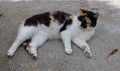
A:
[36,30]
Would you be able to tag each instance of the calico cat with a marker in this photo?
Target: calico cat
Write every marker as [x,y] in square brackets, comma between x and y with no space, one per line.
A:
[36,30]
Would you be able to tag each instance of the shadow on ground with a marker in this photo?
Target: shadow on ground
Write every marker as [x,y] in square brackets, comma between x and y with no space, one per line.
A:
[51,54]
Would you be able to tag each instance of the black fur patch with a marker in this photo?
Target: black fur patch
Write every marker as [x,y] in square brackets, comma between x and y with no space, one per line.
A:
[60,16]
[91,16]
[80,18]
[83,24]
[27,42]
[39,19]
[83,21]
[93,21]
[67,22]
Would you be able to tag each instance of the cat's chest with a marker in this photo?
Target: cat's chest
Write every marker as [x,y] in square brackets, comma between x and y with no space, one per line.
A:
[77,31]
[82,34]
[75,27]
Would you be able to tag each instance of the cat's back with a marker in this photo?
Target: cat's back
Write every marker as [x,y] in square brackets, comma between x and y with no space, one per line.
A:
[48,22]
[46,18]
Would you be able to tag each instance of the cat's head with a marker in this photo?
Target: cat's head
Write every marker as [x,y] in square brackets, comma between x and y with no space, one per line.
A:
[88,18]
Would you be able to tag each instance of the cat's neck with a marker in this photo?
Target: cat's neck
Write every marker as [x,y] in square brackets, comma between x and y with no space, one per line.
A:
[78,22]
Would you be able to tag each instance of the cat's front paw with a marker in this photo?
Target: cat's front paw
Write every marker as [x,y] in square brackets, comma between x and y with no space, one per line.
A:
[87,51]
[88,54]
[68,50]
[10,53]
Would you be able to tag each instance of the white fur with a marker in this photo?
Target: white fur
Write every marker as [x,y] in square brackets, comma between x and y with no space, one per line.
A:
[77,35]
[42,33]
[23,34]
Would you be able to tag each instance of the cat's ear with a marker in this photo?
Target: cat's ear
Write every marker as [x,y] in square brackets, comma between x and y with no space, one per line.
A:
[96,15]
[82,10]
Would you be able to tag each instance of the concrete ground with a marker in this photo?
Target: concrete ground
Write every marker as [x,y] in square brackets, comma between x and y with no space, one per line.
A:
[51,56]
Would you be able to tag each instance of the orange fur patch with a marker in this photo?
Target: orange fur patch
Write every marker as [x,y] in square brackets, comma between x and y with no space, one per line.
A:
[24,44]
[84,47]
[53,19]
[30,46]
[72,17]
[82,14]
[88,20]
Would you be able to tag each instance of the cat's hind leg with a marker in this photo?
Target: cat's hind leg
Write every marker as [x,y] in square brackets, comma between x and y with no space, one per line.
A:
[66,38]
[37,40]
[25,32]
[83,45]
[26,43]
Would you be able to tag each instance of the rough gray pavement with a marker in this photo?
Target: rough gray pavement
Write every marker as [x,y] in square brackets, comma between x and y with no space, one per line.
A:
[51,56]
